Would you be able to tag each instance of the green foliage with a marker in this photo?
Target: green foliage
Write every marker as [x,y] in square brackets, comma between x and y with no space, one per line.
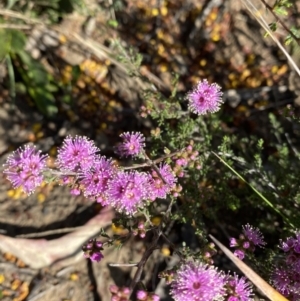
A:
[290,38]
[281,6]
[50,10]
[273,26]
[38,83]
[12,41]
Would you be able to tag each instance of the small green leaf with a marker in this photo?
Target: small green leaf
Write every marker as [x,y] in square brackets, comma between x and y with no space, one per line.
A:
[281,11]
[113,23]
[44,100]
[18,40]
[273,26]
[5,39]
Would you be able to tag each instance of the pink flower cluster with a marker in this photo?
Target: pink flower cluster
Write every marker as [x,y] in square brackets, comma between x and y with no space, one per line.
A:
[24,168]
[92,250]
[142,295]
[238,289]
[205,98]
[189,158]
[123,294]
[140,230]
[247,241]
[196,281]
[119,293]
[286,274]
[86,172]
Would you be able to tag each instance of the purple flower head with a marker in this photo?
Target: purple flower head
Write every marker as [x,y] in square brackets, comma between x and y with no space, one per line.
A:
[96,256]
[154,297]
[75,191]
[113,289]
[282,281]
[195,281]
[119,293]
[158,186]
[205,98]
[92,250]
[141,295]
[253,235]
[132,145]
[127,190]
[94,181]
[233,242]
[297,243]
[239,254]
[246,245]
[238,289]
[76,154]
[24,168]
[288,244]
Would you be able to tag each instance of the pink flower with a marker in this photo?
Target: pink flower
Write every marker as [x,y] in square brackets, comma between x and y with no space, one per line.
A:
[253,235]
[24,168]
[160,188]
[132,145]
[238,289]
[94,181]
[239,254]
[141,295]
[205,98]
[76,154]
[127,190]
[92,250]
[195,281]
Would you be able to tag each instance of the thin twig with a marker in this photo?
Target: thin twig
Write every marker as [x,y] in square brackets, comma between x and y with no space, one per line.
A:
[13,14]
[257,15]
[112,10]
[281,22]
[156,161]
[16,26]
[172,246]
[291,144]
[123,264]
[141,264]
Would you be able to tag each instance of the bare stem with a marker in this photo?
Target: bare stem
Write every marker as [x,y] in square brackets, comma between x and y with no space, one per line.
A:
[141,264]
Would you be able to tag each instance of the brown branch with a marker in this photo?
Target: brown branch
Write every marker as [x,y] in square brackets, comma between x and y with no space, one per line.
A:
[141,264]
[151,162]
[172,246]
